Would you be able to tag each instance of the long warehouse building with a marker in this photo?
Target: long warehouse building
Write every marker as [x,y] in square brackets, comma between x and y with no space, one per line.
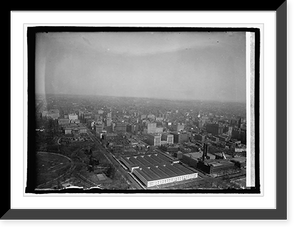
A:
[157,169]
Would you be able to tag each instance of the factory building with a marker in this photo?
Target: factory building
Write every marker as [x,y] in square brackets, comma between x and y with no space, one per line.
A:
[156,169]
[193,158]
[215,166]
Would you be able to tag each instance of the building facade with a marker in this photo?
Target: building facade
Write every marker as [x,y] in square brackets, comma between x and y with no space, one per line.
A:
[63,121]
[154,139]
[151,128]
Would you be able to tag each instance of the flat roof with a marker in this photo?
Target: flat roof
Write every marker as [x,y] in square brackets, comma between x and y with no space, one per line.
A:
[156,166]
[218,162]
[238,159]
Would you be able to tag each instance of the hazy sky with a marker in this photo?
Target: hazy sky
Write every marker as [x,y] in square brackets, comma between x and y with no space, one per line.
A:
[173,65]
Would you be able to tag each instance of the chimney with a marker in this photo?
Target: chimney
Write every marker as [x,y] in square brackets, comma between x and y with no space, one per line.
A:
[204,151]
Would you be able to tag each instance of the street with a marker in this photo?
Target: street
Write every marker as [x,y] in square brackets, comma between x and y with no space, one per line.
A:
[114,161]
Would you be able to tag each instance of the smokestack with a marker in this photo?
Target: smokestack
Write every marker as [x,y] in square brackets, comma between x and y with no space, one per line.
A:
[204,151]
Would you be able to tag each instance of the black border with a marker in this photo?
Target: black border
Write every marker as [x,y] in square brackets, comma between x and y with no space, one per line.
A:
[281,155]
[31,35]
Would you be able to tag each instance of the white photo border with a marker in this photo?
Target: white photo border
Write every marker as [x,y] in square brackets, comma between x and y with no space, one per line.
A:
[268,71]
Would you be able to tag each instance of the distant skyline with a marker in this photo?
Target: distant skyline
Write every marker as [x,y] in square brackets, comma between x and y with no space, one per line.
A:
[166,65]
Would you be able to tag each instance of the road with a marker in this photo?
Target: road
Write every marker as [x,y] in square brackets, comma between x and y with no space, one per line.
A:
[115,162]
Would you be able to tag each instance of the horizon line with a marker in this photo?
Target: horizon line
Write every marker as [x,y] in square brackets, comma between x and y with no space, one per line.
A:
[156,98]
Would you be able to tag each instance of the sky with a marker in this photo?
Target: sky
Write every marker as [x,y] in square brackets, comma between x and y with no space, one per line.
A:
[168,65]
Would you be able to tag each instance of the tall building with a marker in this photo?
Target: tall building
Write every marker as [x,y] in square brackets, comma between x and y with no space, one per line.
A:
[200,137]
[154,139]
[120,127]
[151,128]
[180,137]
[239,134]
[213,128]
[109,119]
[169,138]
[99,128]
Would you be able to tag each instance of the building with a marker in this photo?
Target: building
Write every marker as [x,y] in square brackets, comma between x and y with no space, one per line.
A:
[239,134]
[180,127]
[120,127]
[73,117]
[155,169]
[131,128]
[77,121]
[82,130]
[200,137]
[192,159]
[110,136]
[213,128]
[180,137]
[217,167]
[151,116]
[240,162]
[98,128]
[63,121]
[171,149]
[151,128]
[169,138]
[87,115]
[51,114]
[108,122]
[68,130]
[213,139]
[160,118]
[159,130]
[154,139]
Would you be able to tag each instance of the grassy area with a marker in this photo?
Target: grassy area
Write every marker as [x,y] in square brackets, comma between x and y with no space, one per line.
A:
[50,166]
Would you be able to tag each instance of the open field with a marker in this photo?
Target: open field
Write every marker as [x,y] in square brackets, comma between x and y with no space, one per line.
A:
[51,166]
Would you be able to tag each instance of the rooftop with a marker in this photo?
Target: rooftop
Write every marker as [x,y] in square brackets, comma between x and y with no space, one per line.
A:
[156,166]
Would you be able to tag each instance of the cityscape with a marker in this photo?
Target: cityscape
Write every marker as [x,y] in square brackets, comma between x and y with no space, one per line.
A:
[135,111]
[115,143]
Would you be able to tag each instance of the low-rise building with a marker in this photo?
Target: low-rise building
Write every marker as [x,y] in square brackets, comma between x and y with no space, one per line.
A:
[63,121]
[82,130]
[73,117]
[68,130]
[155,169]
